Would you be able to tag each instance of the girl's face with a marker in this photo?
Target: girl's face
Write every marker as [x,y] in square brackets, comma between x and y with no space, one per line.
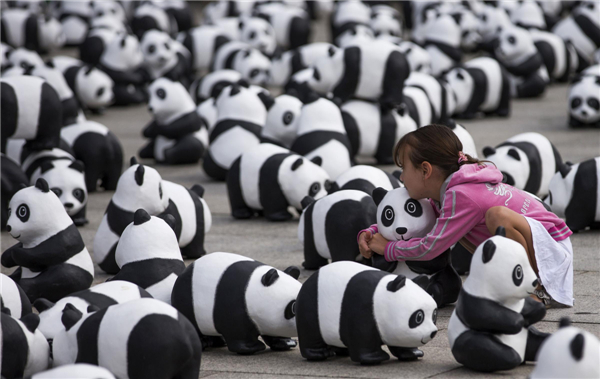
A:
[413,177]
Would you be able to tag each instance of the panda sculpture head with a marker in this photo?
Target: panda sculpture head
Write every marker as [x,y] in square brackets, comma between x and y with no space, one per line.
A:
[36,214]
[66,179]
[515,45]
[169,100]
[468,24]
[123,53]
[385,20]
[50,33]
[560,189]
[569,352]
[491,21]
[282,120]
[528,14]
[462,85]
[356,35]
[254,66]
[327,71]
[512,162]
[584,99]
[259,34]
[25,58]
[158,50]
[238,102]
[108,8]
[500,271]
[140,187]
[94,88]
[418,58]
[303,178]
[400,217]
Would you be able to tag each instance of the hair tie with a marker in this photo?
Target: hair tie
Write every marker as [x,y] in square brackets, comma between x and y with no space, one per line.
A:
[462,157]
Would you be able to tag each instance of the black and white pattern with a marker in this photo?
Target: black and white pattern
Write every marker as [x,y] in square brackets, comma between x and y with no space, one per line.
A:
[25,351]
[13,299]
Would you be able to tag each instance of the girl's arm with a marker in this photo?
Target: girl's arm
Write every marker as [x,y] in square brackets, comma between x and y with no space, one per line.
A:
[458,216]
[373,229]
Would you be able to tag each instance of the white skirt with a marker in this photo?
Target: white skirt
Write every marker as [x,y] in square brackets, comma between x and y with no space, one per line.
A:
[554,261]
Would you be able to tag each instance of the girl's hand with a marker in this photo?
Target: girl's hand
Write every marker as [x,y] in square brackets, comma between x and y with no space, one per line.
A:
[363,244]
[378,243]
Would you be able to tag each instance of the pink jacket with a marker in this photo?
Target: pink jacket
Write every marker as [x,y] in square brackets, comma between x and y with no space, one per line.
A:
[466,195]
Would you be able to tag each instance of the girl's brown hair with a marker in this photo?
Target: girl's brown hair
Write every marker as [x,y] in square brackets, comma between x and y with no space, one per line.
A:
[436,144]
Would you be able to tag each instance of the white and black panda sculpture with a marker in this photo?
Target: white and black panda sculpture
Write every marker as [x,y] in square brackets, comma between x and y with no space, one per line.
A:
[528,161]
[25,58]
[74,17]
[292,25]
[443,43]
[365,309]
[21,28]
[373,130]
[148,17]
[366,178]
[95,298]
[491,326]
[560,57]
[25,351]
[373,71]
[148,254]
[418,105]
[258,33]
[233,299]
[12,180]
[480,85]
[286,64]
[254,66]
[155,341]
[321,134]
[241,116]
[211,84]
[31,109]
[569,352]
[574,194]
[13,299]
[440,96]
[75,371]
[165,57]
[355,35]
[203,42]
[584,101]
[177,133]
[347,15]
[99,150]
[269,179]
[582,29]
[385,21]
[328,226]
[281,125]
[51,257]
[491,21]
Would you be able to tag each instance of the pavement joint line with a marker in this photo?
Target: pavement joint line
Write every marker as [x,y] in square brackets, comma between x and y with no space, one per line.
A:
[283,374]
[445,372]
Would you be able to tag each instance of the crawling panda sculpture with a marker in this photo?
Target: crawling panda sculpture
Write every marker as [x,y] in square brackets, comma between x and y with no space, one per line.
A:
[233,299]
[366,178]
[288,63]
[144,338]
[13,299]
[291,24]
[347,308]
[51,257]
[584,101]
[491,326]
[210,85]
[281,125]
[25,350]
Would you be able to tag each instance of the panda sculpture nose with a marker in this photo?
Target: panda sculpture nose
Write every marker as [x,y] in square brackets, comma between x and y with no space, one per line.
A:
[401,230]
[8,228]
[535,283]
[433,334]
[68,205]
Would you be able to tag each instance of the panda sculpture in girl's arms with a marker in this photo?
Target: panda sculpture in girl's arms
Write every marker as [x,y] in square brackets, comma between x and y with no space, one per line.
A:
[347,308]
[584,101]
[25,350]
[144,338]
[233,299]
[13,299]
[52,258]
[366,178]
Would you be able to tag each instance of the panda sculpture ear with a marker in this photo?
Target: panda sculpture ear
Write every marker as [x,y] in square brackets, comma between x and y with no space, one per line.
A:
[92,308]
[308,200]
[564,322]
[564,170]
[457,17]
[42,304]
[170,220]
[133,161]
[576,347]
[77,165]
[500,231]
[297,164]
[123,42]
[397,283]
[31,321]
[42,185]
[488,150]
[139,175]
[70,316]
[140,216]
[331,51]
[270,277]
[198,190]
[489,248]
[46,166]
[422,281]
[514,153]
[293,271]
[88,70]
[244,83]
[378,195]
[317,160]
[241,25]
[332,188]
[5,310]
[235,89]
[267,100]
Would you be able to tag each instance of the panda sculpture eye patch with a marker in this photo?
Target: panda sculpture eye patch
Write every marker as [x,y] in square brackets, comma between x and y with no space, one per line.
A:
[387,216]
[23,212]
[593,103]
[416,319]
[57,191]
[161,93]
[79,194]
[517,275]
[288,117]
[413,208]
[314,189]
[575,103]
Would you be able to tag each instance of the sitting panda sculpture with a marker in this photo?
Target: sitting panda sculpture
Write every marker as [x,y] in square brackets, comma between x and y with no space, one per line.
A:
[51,257]
[491,326]
[156,341]
[177,133]
[584,101]
[26,351]
[233,299]
[366,178]
[365,308]
[13,299]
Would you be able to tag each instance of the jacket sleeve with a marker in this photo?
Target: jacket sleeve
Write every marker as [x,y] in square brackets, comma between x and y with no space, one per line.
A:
[373,229]
[459,214]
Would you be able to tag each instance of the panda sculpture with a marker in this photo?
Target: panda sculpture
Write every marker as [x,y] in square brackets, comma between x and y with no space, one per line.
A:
[21,28]
[328,226]
[468,22]
[74,17]
[418,105]
[25,350]
[93,88]
[254,66]
[440,94]
[288,63]
[90,300]
[231,299]
[148,17]
[491,21]
[442,42]
[528,15]
[373,71]
[355,35]
[241,116]
[269,179]
[528,162]
[464,136]
[165,57]
[281,125]
[75,371]
[207,110]
[25,58]
[569,352]
[97,40]
[31,109]
[51,257]
[110,8]
[559,56]
[574,194]
[321,134]
[418,58]
[516,51]
[99,150]
[480,85]
[148,255]
[348,14]
[259,34]
[203,42]
[373,131]
[385,20]
[584,101]
[401,217]
[292,25]
[582,29]
[179,12]
[211,84]
[177,134]
[491,326]
[13,299]
[144,338]
[13,179]
[347,308]
[366,178]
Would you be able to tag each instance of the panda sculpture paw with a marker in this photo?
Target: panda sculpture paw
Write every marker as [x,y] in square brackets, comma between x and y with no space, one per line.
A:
[371,358]
[212,341]
[317,354]
[279,216]
[245,347]
[280,343]
[242,213]
[340,351]
[406,353]
[147,152]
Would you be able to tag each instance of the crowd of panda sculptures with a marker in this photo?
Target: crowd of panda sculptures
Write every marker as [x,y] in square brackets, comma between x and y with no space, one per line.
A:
[389,69]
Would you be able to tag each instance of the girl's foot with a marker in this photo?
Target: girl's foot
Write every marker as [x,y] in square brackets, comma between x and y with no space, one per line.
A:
[540,294]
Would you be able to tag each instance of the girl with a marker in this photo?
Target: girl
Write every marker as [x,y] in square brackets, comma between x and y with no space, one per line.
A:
[470,202]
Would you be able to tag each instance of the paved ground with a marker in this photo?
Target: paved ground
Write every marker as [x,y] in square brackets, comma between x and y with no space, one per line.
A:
[277,244]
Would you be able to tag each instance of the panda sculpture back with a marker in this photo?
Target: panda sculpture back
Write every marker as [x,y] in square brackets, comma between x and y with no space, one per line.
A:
[13,299]
[347,308]
[75,371]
